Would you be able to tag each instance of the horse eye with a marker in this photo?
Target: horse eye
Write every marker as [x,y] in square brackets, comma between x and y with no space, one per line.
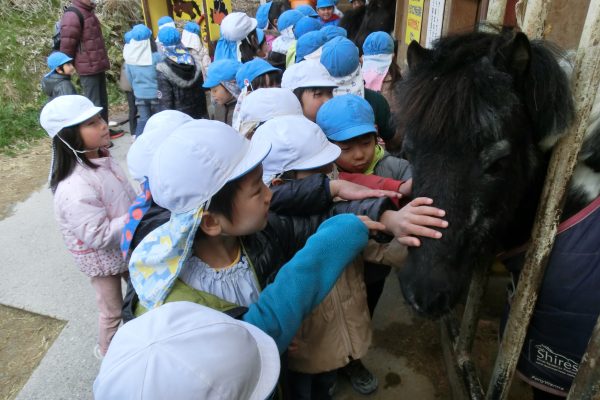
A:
[496,166]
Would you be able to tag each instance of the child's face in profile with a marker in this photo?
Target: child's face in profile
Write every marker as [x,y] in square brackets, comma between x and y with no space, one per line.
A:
[325,13]
[220,95]
[357,153]
[250,206]
[67,69]
[312,100]
[94,133]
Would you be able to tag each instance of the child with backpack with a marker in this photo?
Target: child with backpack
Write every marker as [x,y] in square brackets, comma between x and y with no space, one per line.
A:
[91,199]
[140,66]
[179,77]
[57,82]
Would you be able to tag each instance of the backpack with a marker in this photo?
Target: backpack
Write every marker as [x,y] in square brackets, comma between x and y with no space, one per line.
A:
[56,36]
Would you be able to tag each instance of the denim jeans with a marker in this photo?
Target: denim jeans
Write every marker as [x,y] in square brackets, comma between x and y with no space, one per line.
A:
[146,108]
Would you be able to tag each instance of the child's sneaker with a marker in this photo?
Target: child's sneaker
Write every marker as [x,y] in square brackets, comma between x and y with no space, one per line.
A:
[97,352]
[362,380]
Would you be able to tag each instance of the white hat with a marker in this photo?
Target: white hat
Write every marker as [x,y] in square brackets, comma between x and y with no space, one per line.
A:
[236,26]
[186,351]
[298,144]
[197,160]
[308,73]
[263,104]
[157,129]
[65,111]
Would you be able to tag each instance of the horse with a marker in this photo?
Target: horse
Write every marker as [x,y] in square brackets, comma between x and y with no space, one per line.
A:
[480,113]
[376,16]
[188,7]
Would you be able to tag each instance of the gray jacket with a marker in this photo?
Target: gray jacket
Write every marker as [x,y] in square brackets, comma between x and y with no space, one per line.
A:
[57,85]
[393,167]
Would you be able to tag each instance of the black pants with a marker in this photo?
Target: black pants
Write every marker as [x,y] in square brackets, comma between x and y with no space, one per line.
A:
[132,112]
[94,88]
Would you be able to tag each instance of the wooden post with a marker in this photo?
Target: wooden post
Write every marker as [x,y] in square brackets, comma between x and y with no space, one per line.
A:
[586,385]
[496,11]
[585,81]
[536,15]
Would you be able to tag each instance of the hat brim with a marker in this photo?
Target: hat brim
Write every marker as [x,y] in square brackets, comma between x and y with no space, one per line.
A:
[209,84]
[84,116]
[352,132]
[327,155]
[317,83]
[270,364]
[257,152]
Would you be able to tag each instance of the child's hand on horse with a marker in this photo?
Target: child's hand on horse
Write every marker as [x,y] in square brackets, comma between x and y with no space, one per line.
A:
[346,190]
[415,219]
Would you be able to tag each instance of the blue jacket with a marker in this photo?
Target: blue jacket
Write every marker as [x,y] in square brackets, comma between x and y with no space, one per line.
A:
[143,79]
[568,303]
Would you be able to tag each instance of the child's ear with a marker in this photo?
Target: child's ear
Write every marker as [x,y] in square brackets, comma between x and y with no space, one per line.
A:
[210,224]
[277,182]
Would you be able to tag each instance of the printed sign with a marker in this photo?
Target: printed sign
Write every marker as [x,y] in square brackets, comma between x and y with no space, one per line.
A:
[435,21]
[414,20]
[207,13]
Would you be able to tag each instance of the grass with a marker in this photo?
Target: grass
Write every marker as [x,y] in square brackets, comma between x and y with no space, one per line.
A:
[26,30]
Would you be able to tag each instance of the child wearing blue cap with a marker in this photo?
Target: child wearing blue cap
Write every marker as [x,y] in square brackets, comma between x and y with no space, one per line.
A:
[223,88]
[190,39]
[379,69]
[179,77]
[326,11]
[140,66]
[253,75]
[57,82]
[348,121]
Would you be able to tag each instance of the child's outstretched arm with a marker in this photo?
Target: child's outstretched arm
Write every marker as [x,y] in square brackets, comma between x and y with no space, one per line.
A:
[417,218]
[306,279]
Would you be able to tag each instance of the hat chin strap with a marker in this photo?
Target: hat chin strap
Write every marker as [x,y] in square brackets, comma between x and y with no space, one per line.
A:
[77,152]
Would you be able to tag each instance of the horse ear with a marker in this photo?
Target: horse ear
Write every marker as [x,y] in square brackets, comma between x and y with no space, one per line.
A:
[515,55]
[416,54]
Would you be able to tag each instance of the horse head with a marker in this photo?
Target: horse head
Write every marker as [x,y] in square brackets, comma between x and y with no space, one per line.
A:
[474,110]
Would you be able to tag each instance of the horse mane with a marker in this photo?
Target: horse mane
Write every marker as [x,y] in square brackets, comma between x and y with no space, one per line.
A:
[352,20]
[472,73]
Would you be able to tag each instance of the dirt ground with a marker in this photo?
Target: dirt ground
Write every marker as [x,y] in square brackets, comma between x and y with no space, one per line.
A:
[22,174]
[24,339]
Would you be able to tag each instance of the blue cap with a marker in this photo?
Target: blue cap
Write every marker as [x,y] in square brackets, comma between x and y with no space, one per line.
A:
[141,32]
[169,36]
[260,35]
[164,20]
[252,70]
[346,117]
[340,57]
[332,31]
[305,25]
[223,70]
[262,15]
[192,27]
[308,43]
[378,43]
[307,10]
[288,18]
[57,59]
[325,3]
[127,37]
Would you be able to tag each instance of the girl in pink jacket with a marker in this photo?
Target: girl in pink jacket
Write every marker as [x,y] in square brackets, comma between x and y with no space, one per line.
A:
[91,199]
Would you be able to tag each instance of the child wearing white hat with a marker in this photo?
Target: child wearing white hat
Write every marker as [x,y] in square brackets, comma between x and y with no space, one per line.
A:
[239,39]
[312,85]
[91,198]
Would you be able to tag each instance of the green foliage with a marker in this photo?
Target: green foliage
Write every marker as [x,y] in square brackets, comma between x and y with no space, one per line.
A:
[26,29]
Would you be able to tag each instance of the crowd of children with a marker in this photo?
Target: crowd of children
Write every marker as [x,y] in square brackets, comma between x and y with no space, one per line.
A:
[278,206]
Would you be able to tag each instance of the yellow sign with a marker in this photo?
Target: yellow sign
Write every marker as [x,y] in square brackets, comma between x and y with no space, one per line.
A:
[207,13]
[414,20]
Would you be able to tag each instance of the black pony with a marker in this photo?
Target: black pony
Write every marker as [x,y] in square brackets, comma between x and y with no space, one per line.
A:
[376,16]
[479,113]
